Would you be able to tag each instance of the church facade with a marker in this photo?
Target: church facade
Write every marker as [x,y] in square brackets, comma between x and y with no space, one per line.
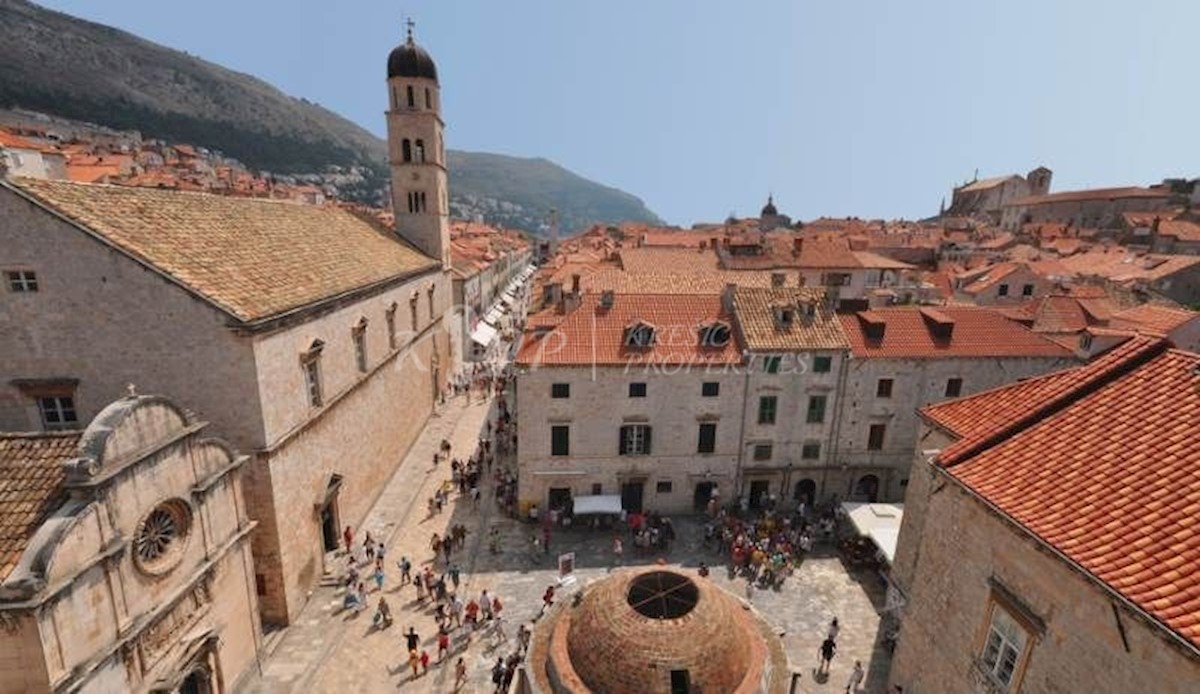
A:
[125,556]
[314,339]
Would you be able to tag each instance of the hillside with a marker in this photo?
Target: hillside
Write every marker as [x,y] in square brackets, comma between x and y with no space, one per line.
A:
[55,63]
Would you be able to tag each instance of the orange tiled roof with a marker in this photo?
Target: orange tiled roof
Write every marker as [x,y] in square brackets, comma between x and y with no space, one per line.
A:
[755,311]
[973,418]
[1182,229]
[31,477]
[1108,474]
[1092,194]
[253,258]
[1152,318]
[1122,265]
[593,334]
[977,332]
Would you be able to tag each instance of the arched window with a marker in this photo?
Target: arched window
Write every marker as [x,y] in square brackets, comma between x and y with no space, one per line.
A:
[421,151]
[412,100]
[421,202]
[406,149]
[428,99]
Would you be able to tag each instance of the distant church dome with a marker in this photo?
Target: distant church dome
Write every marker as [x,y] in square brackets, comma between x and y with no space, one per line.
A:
[768,209]
[410,60]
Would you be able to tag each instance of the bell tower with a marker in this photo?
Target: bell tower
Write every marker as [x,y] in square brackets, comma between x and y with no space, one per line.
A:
[416,150]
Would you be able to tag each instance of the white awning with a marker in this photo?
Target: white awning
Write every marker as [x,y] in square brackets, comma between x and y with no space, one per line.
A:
[880,522]
[602,503]
[483,334]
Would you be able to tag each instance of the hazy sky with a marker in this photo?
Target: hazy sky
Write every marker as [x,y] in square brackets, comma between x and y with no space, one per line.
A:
[851,107]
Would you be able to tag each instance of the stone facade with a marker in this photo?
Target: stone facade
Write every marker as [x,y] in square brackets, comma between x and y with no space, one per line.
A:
[882,473]
[102,319]
[958,562]
[673,478]
[103,598]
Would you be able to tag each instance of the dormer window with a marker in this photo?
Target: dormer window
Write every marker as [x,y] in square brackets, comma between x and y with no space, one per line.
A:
[714,335]
[784,317]
[639,335]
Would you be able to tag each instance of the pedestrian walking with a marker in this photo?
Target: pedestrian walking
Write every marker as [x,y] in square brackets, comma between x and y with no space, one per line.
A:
[405,570]
[498,673]
[833,630]
[826,652]
[618,549]
[414,662]
[369,546]
[378,578]
[460,673]
[348,536]
[455,575]
[856,678]
[547,599]
[424,661]
[443,641]
[523,637]
[411,640]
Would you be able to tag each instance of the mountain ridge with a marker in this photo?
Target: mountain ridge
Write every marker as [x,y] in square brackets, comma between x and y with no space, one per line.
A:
[73,68]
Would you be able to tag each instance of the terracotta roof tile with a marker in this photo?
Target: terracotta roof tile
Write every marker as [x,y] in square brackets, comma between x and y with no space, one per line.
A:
[253,258]
[755,311]
[1108,473]
[1092,194]
[31,477]
[977,332]
[1153,318]
[593,334]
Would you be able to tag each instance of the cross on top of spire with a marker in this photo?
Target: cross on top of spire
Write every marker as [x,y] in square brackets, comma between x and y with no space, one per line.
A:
[409,24]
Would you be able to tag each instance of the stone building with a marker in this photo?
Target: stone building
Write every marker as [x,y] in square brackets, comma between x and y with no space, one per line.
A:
[125,561]
[655,631]
[904,358]
[795,350]
[986,198]
[312,338]
[1049,538]
[1099,208]
[633,394]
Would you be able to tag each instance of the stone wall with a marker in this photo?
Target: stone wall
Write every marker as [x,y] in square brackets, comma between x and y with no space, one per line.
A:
[915,384]
[102,318]
[963,550]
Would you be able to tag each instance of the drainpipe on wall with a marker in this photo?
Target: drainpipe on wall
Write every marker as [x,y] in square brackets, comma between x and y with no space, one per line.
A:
[836,426]
[737,475]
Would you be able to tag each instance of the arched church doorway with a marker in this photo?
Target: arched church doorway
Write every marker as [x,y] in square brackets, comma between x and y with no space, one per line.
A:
[805,490]
[868,486]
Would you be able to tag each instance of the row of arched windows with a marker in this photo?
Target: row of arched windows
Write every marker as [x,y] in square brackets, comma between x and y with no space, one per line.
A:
[410,98]
[416,202]
[412,150]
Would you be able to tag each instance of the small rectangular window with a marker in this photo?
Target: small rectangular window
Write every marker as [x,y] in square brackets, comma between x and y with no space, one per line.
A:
[560,390]
[767,406]
[953,387]
[360,348]
[597,489]
[22,281]
[763,451]
[663,487]
[428,99]
[635,440]
[771,364]
[1002,291]
[710,389]
[560,440]
[822,365]
[311,364]
[637,390]
[883,389]
[708,438]
[811,450]
[875,437]
[412,101]
[58,413]
[816,409]
[1027,290]
[1004,647]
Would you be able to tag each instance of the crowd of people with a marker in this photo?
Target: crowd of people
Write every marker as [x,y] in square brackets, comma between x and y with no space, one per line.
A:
[766,548]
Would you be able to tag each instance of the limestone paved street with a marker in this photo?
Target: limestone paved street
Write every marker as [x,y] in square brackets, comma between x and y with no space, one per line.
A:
[331,650]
